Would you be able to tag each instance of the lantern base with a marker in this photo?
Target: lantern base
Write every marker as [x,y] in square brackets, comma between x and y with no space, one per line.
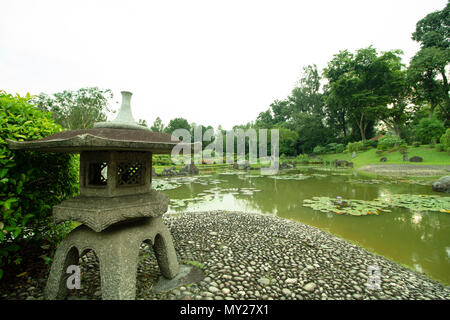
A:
[100,213]
[117,249]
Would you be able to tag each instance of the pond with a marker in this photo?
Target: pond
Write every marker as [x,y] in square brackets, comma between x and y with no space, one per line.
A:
[408,234]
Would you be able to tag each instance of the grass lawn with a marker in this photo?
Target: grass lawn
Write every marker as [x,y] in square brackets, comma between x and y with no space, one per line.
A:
[428,154]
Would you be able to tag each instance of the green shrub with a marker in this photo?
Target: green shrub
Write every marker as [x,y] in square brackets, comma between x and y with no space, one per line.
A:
[334,148]
[355,146]
[162,160]
[319,150]
[304,158]
[31,183]
[367,144]
[416,144]
[439,147]
[445,140]
[389,142]
[429,130]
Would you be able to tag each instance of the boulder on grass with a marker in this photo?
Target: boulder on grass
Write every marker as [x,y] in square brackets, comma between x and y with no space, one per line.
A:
[169,172]
[442,185]
[340,163]
[285,165]
[242,166]
[416,159]
[384,159]
[189,169]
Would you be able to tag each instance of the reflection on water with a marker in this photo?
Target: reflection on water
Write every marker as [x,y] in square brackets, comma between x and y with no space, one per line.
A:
[419,239]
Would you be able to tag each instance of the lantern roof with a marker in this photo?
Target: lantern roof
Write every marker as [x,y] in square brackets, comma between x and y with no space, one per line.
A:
[121,134]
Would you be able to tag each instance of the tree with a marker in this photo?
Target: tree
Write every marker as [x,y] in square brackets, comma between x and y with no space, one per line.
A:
[281,111]
[434,29]
[364,85]
[311,131]
[142,122]
[265,120]
[76,109]
[427,71]
[429,130]
[337,106]
[158,125]
[287,142]
[306,96]
[177,123]
[428,79]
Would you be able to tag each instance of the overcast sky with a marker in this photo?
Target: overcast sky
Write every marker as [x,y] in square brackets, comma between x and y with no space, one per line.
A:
[211,62]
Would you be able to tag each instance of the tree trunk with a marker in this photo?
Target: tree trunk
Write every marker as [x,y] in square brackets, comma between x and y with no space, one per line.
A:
[396,129]
[432,106]
[344,125]
[446,97]
[361,128]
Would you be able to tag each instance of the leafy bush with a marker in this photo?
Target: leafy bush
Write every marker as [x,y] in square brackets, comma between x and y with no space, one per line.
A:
[355,146]
[445,140]
[340,148]
[304,158]
[319,150]
[335,147]
[429,130]
[403,149]
[416,144]
[30,182]
[162,160]
[439,147]
[367,144]
[389,142]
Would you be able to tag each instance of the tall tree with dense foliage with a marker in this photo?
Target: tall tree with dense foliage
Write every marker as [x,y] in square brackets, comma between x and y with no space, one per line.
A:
[158,125]
[306,96]
[427,71]
[364,85]
[177,123]
[76,109]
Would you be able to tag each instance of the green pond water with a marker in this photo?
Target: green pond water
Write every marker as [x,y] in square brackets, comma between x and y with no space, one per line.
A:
[412,236]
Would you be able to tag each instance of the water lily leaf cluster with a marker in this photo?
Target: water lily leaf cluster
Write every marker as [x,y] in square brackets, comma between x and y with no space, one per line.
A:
[290,177]
[175,182]
[209,194]
[417,202]
[378,181]
[363,207]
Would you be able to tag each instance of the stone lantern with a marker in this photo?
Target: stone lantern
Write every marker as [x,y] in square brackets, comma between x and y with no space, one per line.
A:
[117,208]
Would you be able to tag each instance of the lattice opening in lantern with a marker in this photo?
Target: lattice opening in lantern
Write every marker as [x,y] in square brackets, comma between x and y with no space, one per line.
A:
[98,173]
[130,173]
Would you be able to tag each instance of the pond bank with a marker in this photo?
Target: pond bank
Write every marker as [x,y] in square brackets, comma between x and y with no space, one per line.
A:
[254,256]
[409,170]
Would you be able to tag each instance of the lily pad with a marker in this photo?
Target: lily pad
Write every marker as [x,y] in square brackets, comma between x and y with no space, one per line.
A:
[290,177]
[362,207]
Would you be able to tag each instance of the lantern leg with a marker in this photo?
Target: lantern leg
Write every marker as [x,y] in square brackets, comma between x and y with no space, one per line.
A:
[118,269]
[117,249]
[165,252]
[57,286]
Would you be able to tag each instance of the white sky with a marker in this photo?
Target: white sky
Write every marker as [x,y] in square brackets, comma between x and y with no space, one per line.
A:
[211,62]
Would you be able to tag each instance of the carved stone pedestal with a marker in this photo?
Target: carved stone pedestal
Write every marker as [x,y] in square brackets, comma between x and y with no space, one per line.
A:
[117,249]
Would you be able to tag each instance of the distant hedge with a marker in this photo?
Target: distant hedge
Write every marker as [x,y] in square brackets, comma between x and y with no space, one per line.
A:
[30,182]
[445,140]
